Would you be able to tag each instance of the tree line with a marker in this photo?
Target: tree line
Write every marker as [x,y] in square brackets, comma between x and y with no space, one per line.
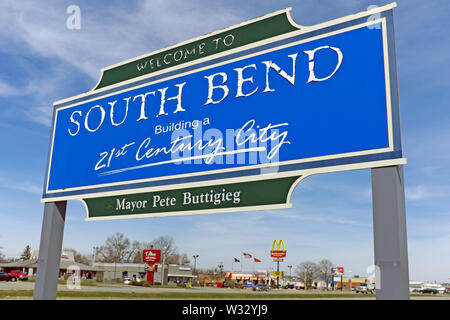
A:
[26,255]
[119,249]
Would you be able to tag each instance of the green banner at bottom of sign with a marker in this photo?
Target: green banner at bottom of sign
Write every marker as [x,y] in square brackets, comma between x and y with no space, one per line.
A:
[242,196]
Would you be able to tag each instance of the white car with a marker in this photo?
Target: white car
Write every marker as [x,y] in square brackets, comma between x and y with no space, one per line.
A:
[127,280]
[365,288]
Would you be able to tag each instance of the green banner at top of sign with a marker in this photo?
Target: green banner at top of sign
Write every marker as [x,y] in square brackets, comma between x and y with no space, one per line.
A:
[252,31]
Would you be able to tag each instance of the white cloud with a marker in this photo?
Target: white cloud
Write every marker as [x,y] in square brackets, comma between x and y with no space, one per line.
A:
[7,89]
[41,114]
[176,21]
[429,259]
[26,186]
[109,36]
[106,37]
[326,219]
[421,192]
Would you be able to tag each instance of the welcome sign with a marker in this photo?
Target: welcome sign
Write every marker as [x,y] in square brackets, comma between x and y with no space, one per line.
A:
[314,99]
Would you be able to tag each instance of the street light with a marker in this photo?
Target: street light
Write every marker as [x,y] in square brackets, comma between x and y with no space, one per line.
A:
[94,254]
[195,261]
[115,265]
[163,263]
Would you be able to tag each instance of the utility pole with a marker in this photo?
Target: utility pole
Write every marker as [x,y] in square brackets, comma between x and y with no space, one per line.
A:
[305,279]
[94,254]
[163,264]
[115,266]
[278,274]
[195,261]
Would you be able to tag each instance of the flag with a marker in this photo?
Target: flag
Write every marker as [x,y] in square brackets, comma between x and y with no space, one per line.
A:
[247,255]
[256,260]
[236,260]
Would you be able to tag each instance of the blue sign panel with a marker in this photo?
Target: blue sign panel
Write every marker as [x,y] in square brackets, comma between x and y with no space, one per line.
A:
[303,102]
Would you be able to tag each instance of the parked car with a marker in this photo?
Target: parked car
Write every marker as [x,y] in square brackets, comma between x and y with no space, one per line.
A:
[290,286]
[261,287]
[6,277]
[365,288]
[19,275]
[127,280]
[428,290]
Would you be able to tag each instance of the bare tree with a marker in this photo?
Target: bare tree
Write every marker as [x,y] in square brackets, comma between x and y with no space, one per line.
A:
[178,258]
[308,271]
[135,251]
[2,257]
[184,259]
[78,257]
[166,244]
[210,271]
[325,266]
[117,248]
[139,247]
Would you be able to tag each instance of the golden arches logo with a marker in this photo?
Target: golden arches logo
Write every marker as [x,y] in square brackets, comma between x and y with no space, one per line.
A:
[281,249]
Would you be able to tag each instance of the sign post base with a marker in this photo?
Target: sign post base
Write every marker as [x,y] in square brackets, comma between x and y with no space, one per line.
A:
[389,227]
[50,251]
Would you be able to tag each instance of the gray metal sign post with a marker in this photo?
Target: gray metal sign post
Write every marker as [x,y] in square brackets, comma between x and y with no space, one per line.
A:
[389,228]
[50,250]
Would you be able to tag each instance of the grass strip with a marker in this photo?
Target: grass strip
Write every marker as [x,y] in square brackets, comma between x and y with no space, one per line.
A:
[64,282]
[5,294]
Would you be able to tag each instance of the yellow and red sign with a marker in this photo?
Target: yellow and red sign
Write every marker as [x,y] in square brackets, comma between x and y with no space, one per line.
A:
[280,251]
[277,273]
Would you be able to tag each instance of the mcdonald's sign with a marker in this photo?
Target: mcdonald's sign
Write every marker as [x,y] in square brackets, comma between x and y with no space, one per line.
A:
[280,249]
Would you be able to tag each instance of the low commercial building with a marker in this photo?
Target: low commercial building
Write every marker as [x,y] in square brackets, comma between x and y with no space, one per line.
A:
[67,266]
[254,277]
[174,273]
[119,271]
[347,283]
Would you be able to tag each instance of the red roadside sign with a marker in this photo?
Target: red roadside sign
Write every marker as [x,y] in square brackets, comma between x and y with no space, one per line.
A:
[151,256]
[337,270]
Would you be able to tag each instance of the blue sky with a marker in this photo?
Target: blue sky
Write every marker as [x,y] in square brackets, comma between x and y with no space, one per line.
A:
[42,61]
